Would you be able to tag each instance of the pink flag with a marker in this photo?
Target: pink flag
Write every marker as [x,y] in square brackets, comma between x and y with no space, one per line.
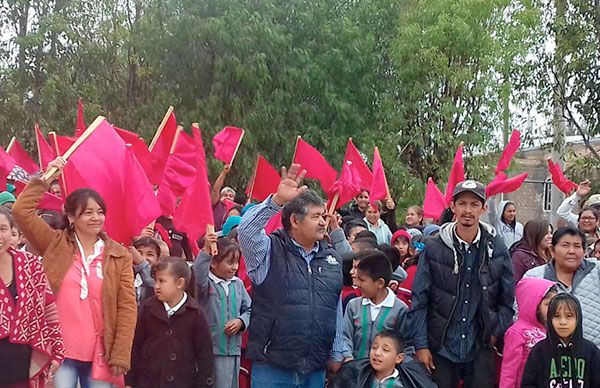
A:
[559,179]
[355,176]
[315,164]
[265,180]
[179,173]
[457,174]
[434,202]
[80,126]
[104,163]
[503,184]
[46,153]
[161,149]
[139,148]
[379,187]
[511,149]
[194,212]
[61,143]
[274,223]
[7,163]
[48,201]
[227,142]
[21,157]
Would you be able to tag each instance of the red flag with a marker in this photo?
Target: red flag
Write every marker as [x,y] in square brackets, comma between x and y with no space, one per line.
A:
[355,176]
[457,174]
[502,184]
[48,201]
[61,143]
[194,212]
[161,148]
[265,180]
[80,126]
[434,202]
[46,153]
[21,157]
[511,149]
[379,187]
[274,223]
[559,179]
[139,148]
[227,142]
[315,164]
[179,173]
[164,235]
[7,163]
[104,163]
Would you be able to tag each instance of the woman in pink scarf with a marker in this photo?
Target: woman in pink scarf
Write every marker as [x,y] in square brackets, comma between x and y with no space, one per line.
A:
[31,345]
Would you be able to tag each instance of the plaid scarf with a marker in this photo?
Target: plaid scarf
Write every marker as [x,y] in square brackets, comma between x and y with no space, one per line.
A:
[33,320]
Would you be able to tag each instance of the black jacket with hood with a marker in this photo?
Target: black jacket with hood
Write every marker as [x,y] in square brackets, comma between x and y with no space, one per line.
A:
[552,363]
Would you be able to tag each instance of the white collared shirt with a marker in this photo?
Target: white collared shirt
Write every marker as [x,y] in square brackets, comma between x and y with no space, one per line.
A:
[86,261]
[394,375]
[222,282]
[376,308]
[172,310]
[466,245]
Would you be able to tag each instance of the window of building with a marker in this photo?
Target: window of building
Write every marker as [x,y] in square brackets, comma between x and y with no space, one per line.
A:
[548,195]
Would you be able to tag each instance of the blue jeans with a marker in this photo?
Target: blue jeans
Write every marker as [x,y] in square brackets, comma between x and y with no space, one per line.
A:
[265,376]
[71,372]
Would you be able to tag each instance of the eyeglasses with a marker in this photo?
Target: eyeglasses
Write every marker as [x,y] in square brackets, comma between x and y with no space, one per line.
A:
[590,218]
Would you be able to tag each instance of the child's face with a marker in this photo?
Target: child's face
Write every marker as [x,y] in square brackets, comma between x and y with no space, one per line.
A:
[373,215]
[543,307]
[412,218]
[564,322]
[402,245]
[354,231]
[353,272]
[368,287]
[167,287]
[384,355]
[226,268]
[148,254]
[597,251]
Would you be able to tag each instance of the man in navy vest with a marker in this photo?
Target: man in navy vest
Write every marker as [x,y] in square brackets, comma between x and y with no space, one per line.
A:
[296,322]
[462,296]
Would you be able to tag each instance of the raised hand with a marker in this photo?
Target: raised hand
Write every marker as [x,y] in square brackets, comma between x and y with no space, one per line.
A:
[289,187]
[584,188]
[58,164]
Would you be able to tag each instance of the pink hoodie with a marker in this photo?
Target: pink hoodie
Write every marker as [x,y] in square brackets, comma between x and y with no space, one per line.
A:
[525,332]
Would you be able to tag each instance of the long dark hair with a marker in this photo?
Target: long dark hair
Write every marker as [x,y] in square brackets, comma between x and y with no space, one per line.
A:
[75,204]
[533,234]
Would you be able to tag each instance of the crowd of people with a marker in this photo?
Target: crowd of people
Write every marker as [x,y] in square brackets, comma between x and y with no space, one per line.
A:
[350,298]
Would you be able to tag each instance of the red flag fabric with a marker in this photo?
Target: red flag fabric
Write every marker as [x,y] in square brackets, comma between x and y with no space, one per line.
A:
[48,201]
[164,235]
[434,202]
[162,148]
[194,212]
[274,223]
[265,180]
[354,177]
[503,184]
[315,164]
[139,148]
[179,173]
[80,126]
[63,143]
[7,163]
[226,143]
[457,174]
[559,179]
[511,149]
[104,163]
[46,153]
[379,187]
[21,157]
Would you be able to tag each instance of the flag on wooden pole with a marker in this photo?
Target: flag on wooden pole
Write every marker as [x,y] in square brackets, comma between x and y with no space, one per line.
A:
[227,142]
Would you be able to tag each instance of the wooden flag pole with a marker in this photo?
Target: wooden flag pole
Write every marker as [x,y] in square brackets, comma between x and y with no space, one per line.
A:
[37,144]
[52,138]
[161,127]
[296,147]
[253,178]
[237,147]
[10,145]
[74,146]
[175,138]
[213,246]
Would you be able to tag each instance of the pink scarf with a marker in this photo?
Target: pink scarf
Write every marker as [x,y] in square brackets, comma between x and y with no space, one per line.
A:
[34,319]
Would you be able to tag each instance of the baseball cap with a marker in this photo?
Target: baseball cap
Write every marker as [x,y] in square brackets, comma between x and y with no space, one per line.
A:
[594,200]
[471,186]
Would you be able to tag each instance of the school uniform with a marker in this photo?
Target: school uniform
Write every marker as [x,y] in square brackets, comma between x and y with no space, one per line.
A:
[363,320]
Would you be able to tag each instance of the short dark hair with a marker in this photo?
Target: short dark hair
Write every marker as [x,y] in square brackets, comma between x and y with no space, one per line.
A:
[299,207]
[353,223]
[375,265]
[147,242]
[365,243]
[590,209]
[176,266]
[568,230]
[347,259]
[366,234]
[392,253]
[394,336]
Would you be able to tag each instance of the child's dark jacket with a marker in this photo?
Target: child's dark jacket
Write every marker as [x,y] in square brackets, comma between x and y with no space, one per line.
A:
[360,374]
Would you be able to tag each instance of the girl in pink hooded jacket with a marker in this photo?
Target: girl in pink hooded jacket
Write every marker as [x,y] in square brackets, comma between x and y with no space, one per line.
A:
[533,299]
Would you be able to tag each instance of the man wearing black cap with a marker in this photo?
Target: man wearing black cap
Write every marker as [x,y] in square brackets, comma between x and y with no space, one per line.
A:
[462,296]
